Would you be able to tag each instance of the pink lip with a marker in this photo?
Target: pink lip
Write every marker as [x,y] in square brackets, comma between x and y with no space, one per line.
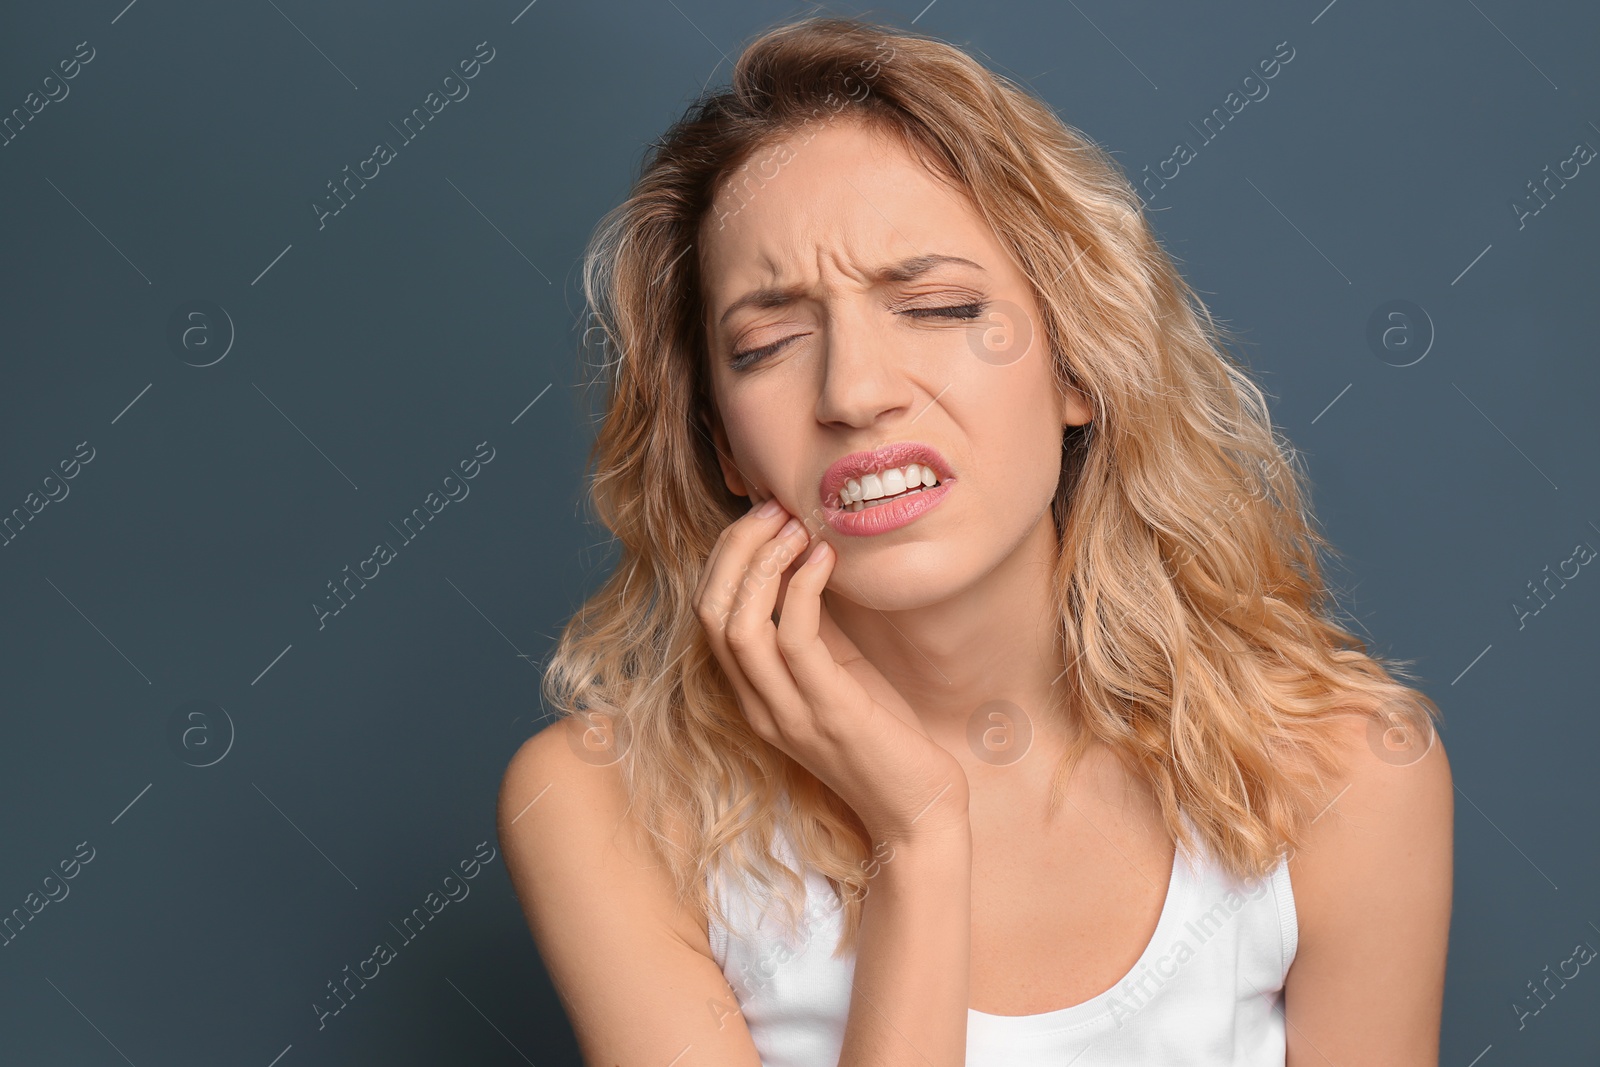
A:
[890,516]
[886,517]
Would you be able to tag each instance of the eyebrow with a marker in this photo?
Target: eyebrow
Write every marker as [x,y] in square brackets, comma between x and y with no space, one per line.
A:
[904,271]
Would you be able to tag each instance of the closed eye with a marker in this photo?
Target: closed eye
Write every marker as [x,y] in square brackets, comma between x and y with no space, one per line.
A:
[740,360]
[959,311]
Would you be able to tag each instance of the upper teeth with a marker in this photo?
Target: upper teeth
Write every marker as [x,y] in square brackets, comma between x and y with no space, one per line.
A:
[888,482]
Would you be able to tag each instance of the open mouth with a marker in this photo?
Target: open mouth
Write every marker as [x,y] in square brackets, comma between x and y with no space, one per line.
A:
[865,480]
[863,505]
[886,485]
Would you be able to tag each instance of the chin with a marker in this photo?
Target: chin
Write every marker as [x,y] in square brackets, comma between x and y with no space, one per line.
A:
[907,578]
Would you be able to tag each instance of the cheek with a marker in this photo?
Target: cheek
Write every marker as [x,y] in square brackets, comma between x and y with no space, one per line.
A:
[1018,438]
[767,441]
[1030,464]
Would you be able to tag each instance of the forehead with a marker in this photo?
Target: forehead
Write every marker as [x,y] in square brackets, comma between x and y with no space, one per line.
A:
[834,196]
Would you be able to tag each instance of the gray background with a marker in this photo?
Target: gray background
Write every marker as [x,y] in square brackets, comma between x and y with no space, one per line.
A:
[352,767]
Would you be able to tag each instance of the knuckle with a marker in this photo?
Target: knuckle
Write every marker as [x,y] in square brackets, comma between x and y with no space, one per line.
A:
[826,729]
[799,728]
[762,727]
[789,642]
[740,637]
[778,727]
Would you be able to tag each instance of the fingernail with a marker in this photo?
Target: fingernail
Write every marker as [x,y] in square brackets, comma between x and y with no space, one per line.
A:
[790,527]
[769,509]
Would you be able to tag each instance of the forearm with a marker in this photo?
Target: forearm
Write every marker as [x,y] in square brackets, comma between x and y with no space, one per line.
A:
[908,1005]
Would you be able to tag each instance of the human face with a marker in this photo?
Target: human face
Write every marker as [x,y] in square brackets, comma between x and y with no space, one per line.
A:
[856,357]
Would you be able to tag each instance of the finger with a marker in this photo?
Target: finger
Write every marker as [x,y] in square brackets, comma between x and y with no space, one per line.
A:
[820,656]
[751,703]
[716,550]
[788,575]
[710,563]
[722,538]
[725,571]
[799,630]
[715,596]
[756,559]
[825,687]
[750,632]
[763,577]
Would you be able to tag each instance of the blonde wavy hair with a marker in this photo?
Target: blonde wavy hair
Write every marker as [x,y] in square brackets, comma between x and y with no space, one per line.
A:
[1200,640]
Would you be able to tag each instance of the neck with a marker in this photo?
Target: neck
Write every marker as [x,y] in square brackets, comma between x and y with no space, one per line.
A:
[995,640]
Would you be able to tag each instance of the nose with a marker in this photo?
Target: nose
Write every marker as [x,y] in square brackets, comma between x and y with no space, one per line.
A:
[863,378]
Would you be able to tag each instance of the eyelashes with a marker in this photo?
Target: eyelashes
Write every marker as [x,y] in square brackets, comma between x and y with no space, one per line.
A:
[740,360]
[957,311]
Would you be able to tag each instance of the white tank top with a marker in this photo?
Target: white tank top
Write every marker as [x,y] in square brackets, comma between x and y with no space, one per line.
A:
[1207,990]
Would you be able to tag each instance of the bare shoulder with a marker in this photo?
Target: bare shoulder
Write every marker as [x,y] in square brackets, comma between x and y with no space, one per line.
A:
[563,806]
[1372,882]
[631,965]
[1387,815]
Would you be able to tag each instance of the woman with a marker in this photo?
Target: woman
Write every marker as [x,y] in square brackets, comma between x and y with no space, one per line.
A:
[966,691]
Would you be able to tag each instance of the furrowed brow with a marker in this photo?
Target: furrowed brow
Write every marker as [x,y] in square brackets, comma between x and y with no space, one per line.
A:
[904,271]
